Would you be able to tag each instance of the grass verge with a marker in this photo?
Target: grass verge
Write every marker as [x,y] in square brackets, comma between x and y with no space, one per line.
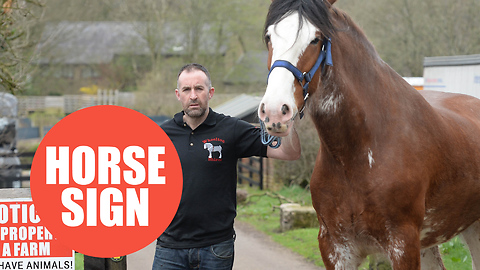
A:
[262,211]
[79,261]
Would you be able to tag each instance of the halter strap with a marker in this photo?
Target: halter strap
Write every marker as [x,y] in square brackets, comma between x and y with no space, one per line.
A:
[324,57]
[267,139]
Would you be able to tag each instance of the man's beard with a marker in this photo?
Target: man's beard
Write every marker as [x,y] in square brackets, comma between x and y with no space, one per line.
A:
[194,113]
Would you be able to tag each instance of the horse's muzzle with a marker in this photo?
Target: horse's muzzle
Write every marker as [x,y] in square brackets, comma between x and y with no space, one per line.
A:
[277,128]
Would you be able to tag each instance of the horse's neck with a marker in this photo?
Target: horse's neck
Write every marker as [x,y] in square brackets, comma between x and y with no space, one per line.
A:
[358,99]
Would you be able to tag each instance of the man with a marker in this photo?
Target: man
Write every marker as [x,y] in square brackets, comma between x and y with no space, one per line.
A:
[201,235]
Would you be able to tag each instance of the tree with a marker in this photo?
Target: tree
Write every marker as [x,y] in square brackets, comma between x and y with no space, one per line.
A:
[18,18]
[81,10]
[406,31]
[203,26]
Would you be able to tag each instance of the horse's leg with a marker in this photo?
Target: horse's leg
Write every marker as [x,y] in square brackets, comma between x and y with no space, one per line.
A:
[431,259]
[337,254]
[471,236]
[403,248]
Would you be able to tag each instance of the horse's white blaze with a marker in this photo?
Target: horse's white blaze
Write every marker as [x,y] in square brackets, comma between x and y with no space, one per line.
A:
[286,45]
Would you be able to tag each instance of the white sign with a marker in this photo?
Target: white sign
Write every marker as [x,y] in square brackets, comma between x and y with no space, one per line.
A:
[25,243]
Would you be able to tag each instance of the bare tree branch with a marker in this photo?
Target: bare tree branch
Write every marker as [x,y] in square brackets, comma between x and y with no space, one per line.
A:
[16,19]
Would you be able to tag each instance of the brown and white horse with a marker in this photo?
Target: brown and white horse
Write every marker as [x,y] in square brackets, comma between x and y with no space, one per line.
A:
[398,170]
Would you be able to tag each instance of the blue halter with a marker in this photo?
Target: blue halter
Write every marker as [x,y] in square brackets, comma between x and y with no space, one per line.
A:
[324,57]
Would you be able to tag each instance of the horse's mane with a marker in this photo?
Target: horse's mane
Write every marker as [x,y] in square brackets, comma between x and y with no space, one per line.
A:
[315,11]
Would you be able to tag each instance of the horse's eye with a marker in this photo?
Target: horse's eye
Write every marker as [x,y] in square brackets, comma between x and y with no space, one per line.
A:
[315,41]
[267,39]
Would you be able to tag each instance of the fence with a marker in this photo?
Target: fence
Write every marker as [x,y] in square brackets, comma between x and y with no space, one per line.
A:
[14,174]
[251,170]
[71,103]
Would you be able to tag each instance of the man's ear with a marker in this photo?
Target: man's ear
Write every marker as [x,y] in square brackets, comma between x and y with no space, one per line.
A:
[177,94]
[211,92]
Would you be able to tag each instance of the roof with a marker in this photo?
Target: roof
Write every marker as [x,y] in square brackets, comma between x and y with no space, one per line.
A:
[251,67]
[100,42]
[159,119]
[240,107]
[457,60]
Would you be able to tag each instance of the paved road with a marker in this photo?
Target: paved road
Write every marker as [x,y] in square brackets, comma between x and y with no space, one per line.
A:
[253,251]
[256,251]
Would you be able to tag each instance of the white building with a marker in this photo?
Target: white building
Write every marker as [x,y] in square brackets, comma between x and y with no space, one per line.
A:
[455,74]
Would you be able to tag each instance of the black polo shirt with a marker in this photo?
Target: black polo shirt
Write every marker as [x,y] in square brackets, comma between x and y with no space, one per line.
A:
[209,157]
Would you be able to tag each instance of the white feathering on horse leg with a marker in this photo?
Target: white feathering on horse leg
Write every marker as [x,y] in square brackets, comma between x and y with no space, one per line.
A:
[471,236]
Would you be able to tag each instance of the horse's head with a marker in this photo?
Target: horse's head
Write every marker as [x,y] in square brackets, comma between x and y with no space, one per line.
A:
[296,33]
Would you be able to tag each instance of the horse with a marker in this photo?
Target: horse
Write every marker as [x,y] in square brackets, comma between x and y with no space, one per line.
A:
[397,172]
[213,148]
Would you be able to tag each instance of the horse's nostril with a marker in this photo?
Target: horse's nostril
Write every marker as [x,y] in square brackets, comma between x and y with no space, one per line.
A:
[266,119]
[285,109]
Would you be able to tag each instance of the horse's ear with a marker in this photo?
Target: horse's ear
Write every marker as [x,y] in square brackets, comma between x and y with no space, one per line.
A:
[330,1]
